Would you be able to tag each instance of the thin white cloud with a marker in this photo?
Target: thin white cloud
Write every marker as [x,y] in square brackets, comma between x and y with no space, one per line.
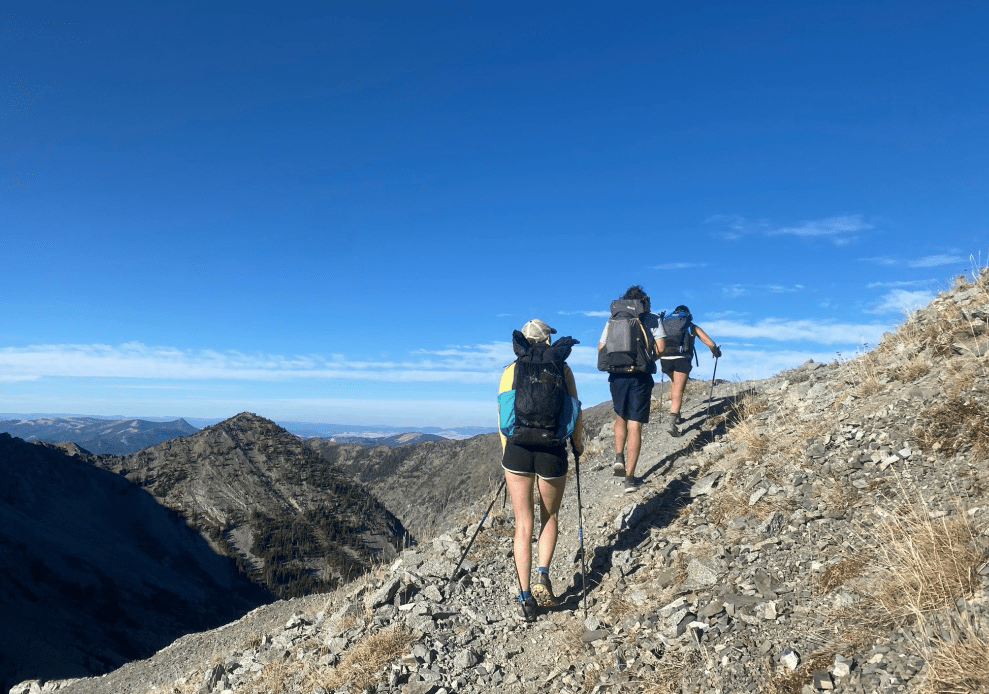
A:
[879,260]
[677,266]
[589,314]
[901,301]
[907,283]
[717,315]
[737,226]
[838,229]
[736,290]
[938,260]
[805,330]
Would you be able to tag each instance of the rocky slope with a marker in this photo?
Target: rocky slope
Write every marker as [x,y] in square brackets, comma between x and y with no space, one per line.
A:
[259,494]
[93,572]
[96,435]
[821,530]
[434,484]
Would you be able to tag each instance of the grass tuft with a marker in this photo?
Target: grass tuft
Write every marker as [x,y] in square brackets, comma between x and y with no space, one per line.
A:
[840,573]
[361,667]
[957,421]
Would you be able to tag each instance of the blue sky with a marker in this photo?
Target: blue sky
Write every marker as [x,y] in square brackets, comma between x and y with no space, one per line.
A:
[338,212]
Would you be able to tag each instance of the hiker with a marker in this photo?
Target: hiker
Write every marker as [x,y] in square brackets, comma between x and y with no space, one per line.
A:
[676,358]
[534,451]
[631,341]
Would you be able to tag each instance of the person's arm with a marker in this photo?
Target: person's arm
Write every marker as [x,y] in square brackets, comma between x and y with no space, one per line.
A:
[505,385]
[659,339]
[715,350]
[577,435]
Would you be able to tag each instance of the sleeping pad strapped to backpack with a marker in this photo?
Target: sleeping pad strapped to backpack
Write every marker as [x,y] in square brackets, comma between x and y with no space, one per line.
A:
[539,409]
[628,347]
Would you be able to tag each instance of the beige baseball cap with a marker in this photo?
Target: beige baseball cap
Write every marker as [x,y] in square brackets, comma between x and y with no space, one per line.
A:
[537,331]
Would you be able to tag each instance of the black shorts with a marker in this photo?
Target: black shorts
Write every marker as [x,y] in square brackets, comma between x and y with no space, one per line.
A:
[681,364]
[631,395]
[549,463]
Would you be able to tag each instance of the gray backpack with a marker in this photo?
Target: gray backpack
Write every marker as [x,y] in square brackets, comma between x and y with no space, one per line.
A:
[628,347]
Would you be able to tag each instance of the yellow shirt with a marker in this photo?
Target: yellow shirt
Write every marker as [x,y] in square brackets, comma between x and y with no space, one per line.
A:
[508,377]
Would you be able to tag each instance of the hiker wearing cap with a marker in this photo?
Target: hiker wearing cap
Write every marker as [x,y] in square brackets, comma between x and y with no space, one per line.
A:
[534,450]
[630,343]
[681,331]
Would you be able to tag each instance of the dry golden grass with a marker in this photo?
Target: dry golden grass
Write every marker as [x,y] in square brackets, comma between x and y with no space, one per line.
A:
[956,421]
[913,569]
[750,439]
[839,573]
[918,367]
[869,386]
[838,498]
[957,661]
[793,682]
[668,676]
[727,503]
[928,564]
[619,608]
[361,665]
[931,562]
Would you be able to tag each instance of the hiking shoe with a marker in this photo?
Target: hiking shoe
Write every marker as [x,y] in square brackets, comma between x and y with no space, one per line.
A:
[674,420]
[526,609]
[619,467]
[632,484]
[542,591]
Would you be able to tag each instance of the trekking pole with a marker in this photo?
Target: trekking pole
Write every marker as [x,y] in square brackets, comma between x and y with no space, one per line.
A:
[483,518]
[662,384]
[711,396]
[580,532]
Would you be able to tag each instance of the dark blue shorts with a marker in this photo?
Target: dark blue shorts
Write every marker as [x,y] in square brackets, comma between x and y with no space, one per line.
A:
[631,395]
[681,364]
[547,462]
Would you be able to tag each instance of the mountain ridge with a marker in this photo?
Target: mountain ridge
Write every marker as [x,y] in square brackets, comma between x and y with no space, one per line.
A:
[96,434]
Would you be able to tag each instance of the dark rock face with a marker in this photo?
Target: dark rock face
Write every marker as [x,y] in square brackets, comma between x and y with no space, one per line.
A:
[292,521]
[94,572]
[117,437]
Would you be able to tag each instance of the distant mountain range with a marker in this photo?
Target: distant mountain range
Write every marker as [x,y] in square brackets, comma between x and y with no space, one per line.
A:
[404,439]
[97,435]
[121,435]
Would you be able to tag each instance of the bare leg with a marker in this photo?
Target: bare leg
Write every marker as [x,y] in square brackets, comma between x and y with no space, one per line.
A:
[621,431]
[678,381]
[550,498]
[633,447]
[520,490]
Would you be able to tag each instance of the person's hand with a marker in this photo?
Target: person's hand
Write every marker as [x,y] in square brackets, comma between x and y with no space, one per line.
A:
[715,351]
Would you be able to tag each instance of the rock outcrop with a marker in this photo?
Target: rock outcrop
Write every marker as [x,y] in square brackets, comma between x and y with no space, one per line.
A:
[295,524]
